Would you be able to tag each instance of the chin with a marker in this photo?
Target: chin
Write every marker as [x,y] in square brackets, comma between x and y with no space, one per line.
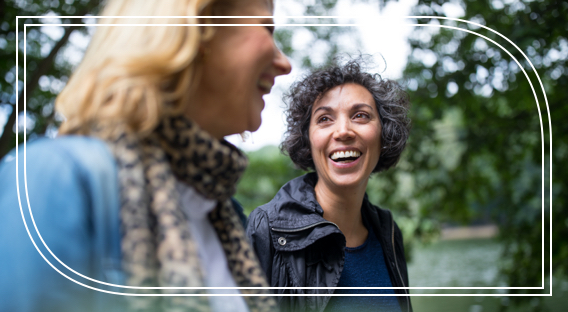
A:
[254,128]
[348,181]
[254,124]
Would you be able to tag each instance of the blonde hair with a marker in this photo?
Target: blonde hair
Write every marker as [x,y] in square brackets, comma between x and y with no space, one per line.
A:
[133,76]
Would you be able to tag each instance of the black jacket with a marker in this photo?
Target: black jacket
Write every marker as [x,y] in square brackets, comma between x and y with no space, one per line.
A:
[297,247]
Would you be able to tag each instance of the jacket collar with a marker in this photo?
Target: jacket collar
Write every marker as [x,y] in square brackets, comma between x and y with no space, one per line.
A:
[295,205]
[295,209]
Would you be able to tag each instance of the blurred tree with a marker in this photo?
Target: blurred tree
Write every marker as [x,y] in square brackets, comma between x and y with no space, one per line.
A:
[267,172]
[475,148]
[47,69]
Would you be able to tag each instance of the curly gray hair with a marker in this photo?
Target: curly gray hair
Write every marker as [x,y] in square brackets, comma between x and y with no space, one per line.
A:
[391,101]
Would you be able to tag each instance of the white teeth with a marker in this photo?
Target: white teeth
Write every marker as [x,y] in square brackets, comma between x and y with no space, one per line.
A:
[346,154]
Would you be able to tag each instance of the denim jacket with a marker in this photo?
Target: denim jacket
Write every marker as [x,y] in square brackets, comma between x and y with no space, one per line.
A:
[73,195]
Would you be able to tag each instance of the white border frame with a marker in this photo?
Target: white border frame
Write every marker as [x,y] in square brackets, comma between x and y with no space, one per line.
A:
[294,25]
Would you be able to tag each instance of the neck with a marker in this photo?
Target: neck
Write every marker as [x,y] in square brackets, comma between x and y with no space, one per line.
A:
[342,206]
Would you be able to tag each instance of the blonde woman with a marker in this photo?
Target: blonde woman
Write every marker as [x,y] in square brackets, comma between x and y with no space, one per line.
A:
[136,189]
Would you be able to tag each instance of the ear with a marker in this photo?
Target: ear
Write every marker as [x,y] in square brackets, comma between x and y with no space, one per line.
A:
[203,51]
[206,31]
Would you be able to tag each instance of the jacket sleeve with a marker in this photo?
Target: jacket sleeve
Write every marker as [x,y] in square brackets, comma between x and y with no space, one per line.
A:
[258,232]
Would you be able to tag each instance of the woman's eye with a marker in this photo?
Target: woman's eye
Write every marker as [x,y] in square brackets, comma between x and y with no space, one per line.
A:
[361,115]
[323,119]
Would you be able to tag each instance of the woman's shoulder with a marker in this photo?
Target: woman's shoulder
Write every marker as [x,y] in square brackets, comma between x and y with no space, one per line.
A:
[71,167]
[296,194]
[75,148]
[294,206]
[67,188]
[80,153]
[381,218]
[71,178]
[381,212]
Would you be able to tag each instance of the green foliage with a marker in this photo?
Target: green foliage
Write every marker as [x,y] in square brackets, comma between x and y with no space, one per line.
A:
[475,151]
[47,70]
[268,171]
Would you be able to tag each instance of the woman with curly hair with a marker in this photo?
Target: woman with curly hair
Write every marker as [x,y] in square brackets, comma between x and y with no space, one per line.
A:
[134,195]
[320,230]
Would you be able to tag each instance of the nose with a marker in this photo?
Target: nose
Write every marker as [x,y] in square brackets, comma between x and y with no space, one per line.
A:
[281,63]
[343,130]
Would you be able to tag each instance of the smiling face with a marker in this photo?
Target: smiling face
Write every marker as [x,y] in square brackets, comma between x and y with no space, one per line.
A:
[239,66]
[345,134]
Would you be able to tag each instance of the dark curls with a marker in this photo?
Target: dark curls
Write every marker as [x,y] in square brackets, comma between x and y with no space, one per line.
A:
[391,101]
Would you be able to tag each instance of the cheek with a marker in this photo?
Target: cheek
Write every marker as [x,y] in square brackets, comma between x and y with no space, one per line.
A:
[318,148]
[379,139]
[376,139]
[265,51]
[314,146]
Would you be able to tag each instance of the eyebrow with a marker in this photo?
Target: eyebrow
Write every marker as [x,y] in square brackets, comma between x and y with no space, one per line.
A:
[361,105]
[325,108]
[355,107]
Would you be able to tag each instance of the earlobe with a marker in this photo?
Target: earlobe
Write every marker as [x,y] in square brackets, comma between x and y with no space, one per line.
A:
[204,52]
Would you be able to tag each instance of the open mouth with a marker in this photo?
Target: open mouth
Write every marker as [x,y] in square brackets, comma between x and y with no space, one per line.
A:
[345,156]
[265,85]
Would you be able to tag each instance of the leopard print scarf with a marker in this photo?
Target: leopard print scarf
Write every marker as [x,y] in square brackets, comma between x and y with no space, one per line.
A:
[156,244]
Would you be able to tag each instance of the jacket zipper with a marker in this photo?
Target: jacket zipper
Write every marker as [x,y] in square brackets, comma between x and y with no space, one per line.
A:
[303,228]
[329,222]
[396,263]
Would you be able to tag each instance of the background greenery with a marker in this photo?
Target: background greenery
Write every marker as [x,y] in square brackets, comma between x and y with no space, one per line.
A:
[475,149]
[477,153]
[48,70]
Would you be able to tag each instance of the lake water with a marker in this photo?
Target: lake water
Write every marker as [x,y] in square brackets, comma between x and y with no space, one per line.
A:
[472,263]
[453,263]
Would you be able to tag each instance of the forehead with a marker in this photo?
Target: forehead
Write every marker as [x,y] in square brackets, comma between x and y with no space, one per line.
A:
[345,94]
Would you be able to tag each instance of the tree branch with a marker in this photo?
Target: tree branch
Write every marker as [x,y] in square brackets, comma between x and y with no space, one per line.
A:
[42,69]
